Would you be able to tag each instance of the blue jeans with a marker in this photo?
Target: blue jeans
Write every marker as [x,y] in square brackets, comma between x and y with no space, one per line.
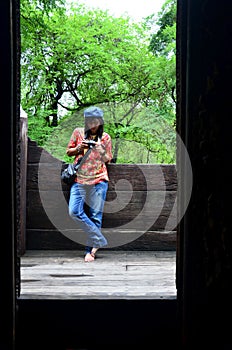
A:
[94,196]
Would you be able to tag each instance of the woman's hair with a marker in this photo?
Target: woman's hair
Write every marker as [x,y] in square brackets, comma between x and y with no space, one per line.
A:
[99,130]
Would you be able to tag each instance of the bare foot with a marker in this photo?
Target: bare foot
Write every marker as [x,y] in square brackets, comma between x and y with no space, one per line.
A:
[89,257]
[93,252]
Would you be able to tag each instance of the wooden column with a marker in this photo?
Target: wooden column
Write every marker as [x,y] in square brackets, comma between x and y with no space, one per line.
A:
[9,121]
[205,124]
[23,182]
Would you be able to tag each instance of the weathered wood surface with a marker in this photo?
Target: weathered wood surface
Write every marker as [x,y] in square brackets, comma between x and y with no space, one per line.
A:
[113,275]
[37,217]
[141,197]
[22,182]
[151,240]
[141,177]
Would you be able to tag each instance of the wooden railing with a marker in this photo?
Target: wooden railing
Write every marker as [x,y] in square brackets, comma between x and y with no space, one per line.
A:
[139,213]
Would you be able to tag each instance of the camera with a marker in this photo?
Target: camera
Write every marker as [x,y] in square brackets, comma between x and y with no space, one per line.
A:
[90,143]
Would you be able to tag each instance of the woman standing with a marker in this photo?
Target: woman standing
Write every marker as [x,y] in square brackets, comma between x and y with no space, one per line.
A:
[91,183]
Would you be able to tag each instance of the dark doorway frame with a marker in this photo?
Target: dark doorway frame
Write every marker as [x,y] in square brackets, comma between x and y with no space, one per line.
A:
[58,325]
[204,279]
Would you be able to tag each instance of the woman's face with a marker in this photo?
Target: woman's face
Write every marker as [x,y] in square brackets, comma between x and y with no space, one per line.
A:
[93,125]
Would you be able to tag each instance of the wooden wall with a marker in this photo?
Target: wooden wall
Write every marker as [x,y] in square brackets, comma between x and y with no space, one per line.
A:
[139,212]
[204,271]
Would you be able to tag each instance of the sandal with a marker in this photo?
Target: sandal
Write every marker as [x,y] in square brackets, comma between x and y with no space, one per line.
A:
[89,260]
[93,255]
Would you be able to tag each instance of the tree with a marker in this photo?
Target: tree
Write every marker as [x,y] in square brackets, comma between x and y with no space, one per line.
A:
[163,42]
[77,57]
[157,120]
[163,45]
[109,62]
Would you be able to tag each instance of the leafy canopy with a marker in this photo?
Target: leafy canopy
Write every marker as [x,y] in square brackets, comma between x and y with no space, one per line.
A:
[76,57]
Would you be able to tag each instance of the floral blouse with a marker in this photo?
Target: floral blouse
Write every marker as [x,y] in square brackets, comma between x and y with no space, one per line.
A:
[93,170]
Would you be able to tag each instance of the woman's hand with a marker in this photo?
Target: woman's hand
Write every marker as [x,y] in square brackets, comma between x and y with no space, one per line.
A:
[73,151]
[83,145]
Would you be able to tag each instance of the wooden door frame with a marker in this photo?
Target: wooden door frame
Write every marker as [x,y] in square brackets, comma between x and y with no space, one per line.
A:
[9,87]
[9,70]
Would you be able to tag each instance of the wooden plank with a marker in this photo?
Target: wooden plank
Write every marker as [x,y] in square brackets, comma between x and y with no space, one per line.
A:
[116,213]
[141,176]
[138,177]
[54,240]
[141,198]
[35,152]
[65,275]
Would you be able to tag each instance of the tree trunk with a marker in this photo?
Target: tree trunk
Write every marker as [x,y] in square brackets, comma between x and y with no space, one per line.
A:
[116,149]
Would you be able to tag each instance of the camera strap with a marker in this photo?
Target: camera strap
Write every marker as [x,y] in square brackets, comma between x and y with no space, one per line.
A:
[81,160]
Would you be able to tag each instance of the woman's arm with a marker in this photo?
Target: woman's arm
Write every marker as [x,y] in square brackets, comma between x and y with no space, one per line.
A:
[75,145]
[105,150]
[74,151]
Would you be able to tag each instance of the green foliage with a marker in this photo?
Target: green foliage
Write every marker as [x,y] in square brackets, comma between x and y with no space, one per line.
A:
[147,138]
[58,140]
[163,46]
[155,147]
[163,41]
[88,54]
[38,130]
[45,5]
[75,58]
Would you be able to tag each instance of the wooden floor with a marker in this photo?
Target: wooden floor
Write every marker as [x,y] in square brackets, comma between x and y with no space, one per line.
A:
[113,275]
